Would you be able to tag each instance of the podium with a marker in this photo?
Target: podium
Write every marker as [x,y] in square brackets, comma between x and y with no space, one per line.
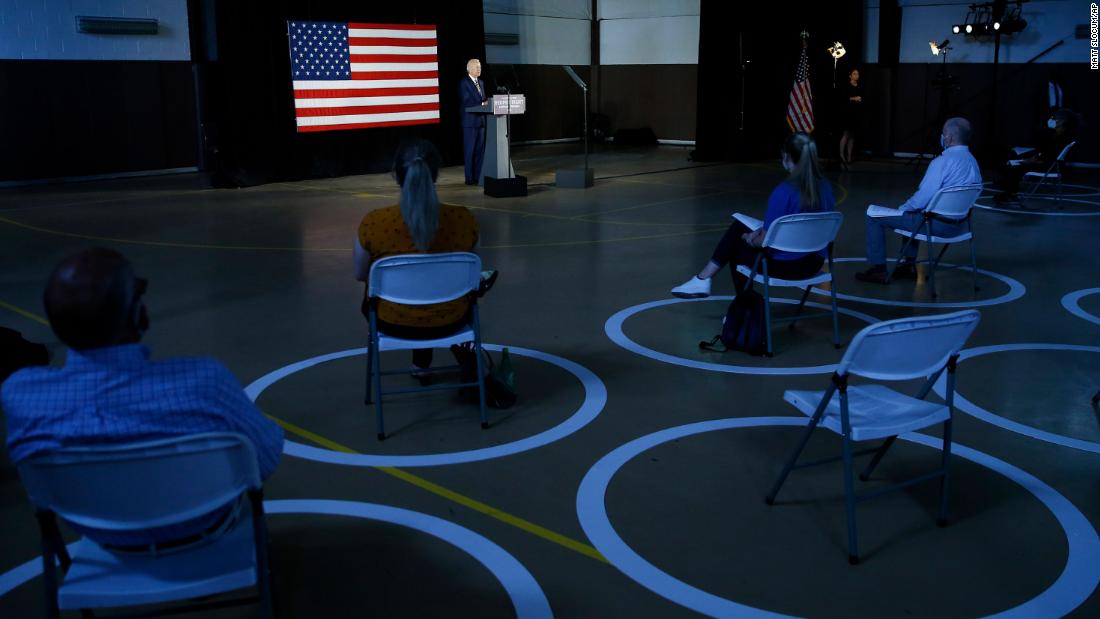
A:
[497,174]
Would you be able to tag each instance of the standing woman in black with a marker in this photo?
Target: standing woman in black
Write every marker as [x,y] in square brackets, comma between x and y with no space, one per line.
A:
[852,117]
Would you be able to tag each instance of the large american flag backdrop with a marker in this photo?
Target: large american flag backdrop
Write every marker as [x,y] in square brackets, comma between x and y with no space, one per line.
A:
[353,76]
[800,106]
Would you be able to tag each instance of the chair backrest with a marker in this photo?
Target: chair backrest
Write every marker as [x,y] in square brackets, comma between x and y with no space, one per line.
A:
[803,232]
[424,279]
[1065,151]
[954,202]
[142,485]
[908,347]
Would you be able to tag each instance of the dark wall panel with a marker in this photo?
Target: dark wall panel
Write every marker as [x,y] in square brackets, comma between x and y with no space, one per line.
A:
[1022,107]
[554,102]
[78,118]
[661,97]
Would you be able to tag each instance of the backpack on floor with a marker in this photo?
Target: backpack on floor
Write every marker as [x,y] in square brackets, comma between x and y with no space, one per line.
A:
[744,326]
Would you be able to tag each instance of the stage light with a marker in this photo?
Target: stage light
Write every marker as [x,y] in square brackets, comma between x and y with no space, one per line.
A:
[970,28]
[956,29]
[837,51]
[996,25]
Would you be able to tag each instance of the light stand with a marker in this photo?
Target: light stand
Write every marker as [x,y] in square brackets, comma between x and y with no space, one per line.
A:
[945,83]
[573,178]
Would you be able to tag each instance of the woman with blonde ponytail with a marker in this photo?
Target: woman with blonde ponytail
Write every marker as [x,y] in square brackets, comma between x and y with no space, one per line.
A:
[418,224]
[804,190]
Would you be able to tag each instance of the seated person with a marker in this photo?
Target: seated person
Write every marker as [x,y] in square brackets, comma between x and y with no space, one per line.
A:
[804,190]
[1061,130]
[110,392]
[418,224]
[956,166]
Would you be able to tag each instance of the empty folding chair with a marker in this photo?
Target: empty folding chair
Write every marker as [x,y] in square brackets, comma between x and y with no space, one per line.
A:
[1053,173]
[901,349]
[148,485]
[950,205]
[422,279]
[802,233]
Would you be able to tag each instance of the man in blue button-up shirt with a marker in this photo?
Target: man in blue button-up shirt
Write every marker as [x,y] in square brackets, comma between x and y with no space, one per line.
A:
[955,167]
[109,391]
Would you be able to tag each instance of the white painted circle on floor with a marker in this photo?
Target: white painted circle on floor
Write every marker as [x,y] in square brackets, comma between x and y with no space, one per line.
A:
[614,330]
[968,407]
[1072,303]
[1015,291]
[595,397]
[527,596]
[1075,584]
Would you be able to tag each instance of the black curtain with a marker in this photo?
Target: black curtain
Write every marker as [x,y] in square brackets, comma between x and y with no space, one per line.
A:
[246,100]
[760,42]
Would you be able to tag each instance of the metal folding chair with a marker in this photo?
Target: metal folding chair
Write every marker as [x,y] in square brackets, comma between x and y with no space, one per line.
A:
[149,485]
[1054,172]
[893,350]
[803,233]
[950,205]
[422,279]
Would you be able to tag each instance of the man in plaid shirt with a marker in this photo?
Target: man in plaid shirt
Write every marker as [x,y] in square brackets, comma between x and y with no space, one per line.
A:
[109,391]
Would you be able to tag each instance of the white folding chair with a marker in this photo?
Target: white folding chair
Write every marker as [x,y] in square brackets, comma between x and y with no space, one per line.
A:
[422,279]
[1054,172]
[950,205]
[803,233]
[148,485]
[900,349]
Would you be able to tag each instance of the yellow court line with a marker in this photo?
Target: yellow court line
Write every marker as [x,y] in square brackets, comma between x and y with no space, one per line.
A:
[451,495]
[405,476]
[24,313]
[602,241]
[91,237]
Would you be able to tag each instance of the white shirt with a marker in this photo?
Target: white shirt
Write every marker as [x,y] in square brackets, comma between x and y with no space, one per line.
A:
[956,166]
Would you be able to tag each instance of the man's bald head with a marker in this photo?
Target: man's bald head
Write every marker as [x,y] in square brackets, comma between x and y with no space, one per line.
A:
[956,131]
[92,300]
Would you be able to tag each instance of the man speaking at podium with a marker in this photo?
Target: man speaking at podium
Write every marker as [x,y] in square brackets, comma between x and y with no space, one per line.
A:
[472,92]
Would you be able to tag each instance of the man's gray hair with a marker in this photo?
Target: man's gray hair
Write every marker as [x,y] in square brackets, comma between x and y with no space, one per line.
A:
[958,127]
[470,64]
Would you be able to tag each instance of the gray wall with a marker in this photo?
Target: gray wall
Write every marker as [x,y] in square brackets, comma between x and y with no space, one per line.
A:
[46,30]
[645,74]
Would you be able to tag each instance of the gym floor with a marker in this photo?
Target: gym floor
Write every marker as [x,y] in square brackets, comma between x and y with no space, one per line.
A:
[261,279]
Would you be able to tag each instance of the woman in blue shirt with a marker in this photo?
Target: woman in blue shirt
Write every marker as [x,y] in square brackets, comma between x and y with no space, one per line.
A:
[805,190]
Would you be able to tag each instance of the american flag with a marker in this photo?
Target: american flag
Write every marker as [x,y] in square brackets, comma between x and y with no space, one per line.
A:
[800,107]
[352,76]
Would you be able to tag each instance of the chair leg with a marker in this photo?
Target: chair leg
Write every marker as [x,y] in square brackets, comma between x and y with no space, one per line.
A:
[370,374]
[836,312]
[259,538]
[770,499]
[376,365]
[850,501]
[875,459]
[49,564]
[946,470]
[931,265]
[484,414]
[767,312]
[801,304]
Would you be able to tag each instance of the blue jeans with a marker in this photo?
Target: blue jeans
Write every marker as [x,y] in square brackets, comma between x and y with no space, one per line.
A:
[877,227]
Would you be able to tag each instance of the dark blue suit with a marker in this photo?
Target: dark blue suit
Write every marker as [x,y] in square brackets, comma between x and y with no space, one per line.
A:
[473,128]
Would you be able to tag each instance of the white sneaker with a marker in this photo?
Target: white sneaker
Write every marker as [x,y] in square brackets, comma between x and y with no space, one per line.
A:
[693,288]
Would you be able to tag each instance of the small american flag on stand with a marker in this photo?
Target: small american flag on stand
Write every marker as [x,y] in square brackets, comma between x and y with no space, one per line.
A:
[354,76]
[800,107]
